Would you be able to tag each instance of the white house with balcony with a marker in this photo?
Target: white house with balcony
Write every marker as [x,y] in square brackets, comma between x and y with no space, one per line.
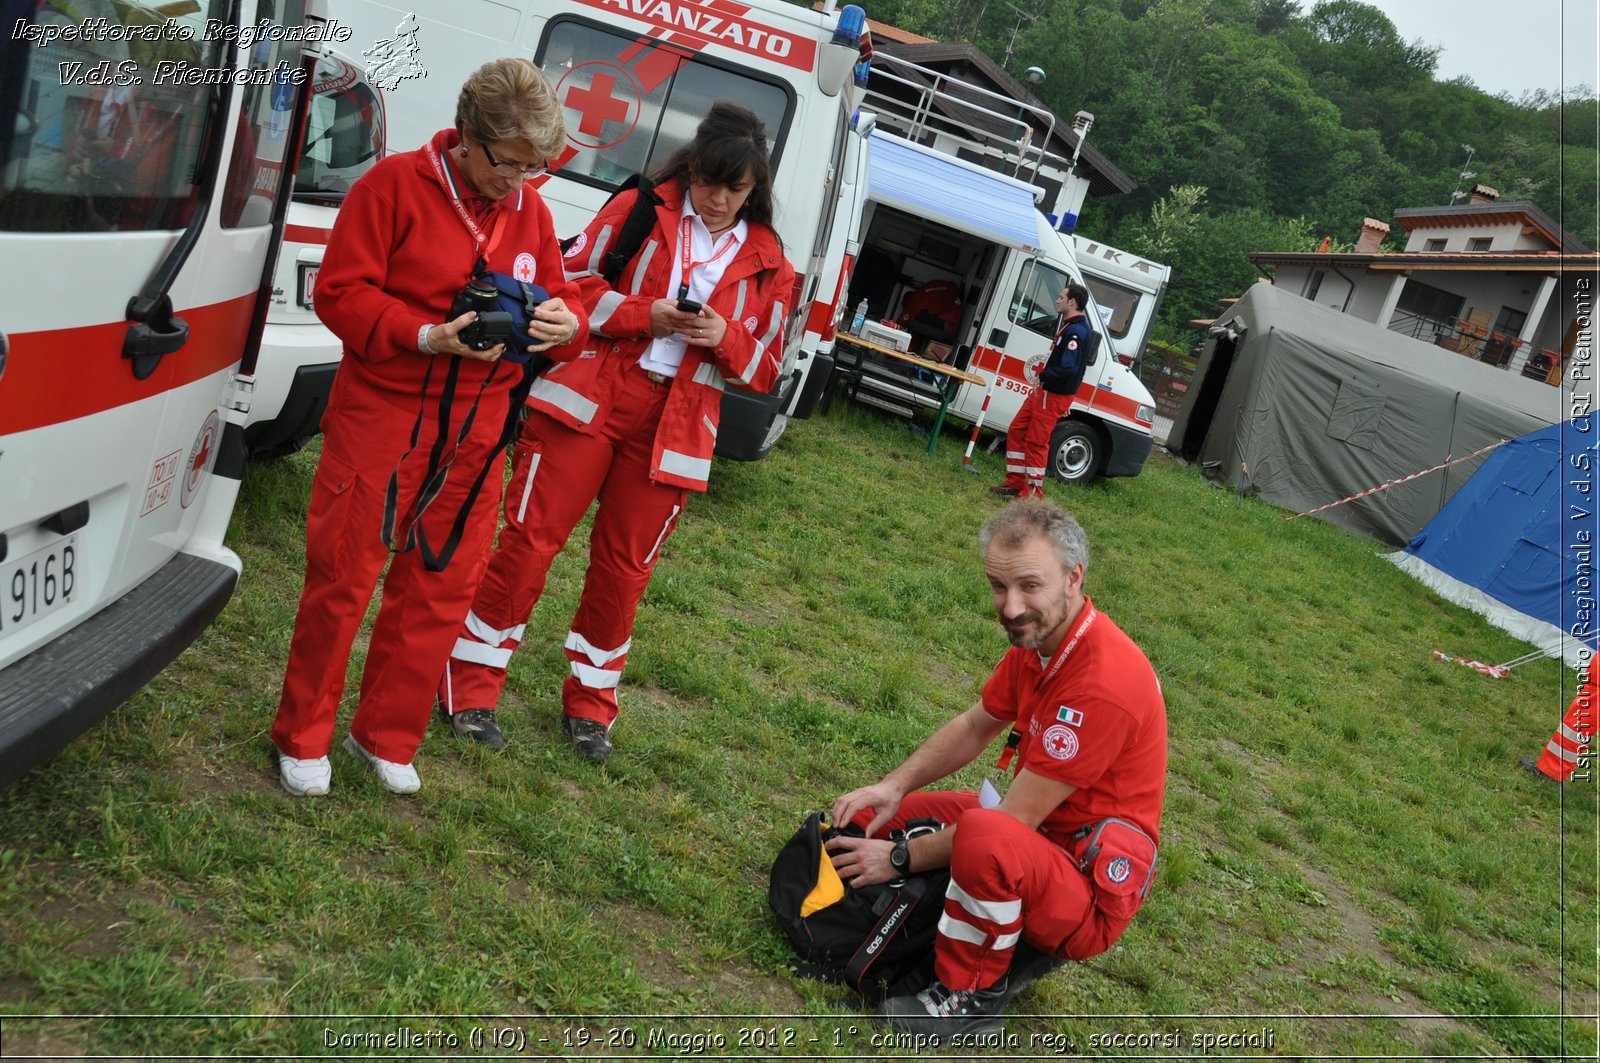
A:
[1498,282]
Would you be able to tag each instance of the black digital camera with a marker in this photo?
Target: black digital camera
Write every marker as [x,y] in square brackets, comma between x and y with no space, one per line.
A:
[492,326]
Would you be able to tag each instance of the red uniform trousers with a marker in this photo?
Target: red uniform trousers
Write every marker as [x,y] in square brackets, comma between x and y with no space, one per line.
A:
[1007,882]
[1572,739]
[557,471]
[1028,440]
[364,436]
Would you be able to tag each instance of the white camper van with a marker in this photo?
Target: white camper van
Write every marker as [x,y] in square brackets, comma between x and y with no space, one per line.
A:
[1128,290]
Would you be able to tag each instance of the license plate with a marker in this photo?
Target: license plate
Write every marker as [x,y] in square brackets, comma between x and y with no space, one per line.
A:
[37,584]
[308,281]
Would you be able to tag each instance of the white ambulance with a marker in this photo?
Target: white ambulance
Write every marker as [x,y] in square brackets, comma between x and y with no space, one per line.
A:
[634,78]
[1127,288]
[284,398]
[144,168]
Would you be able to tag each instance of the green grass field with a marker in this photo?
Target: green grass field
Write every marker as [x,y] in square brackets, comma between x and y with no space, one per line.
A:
[1353,864]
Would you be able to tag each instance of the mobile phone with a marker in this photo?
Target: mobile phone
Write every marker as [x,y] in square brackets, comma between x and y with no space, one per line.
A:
[689,306]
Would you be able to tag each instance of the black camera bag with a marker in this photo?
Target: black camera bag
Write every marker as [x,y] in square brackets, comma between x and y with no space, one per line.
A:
[876,939]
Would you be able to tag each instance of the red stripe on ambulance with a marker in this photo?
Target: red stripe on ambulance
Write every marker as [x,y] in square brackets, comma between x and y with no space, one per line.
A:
[306,234]
[106,378]
[1089,396]
[717,22]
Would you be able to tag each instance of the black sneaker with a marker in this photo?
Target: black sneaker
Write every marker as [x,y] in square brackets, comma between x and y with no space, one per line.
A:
[943,1012]
[477,725]
[1004,489]
[1028,965]
[589,736]
[1531,766]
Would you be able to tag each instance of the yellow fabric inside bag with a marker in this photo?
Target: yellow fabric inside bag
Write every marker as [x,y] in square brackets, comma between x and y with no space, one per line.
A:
[829,887]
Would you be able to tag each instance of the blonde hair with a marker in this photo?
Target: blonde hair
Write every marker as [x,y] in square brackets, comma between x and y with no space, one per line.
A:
[509,99]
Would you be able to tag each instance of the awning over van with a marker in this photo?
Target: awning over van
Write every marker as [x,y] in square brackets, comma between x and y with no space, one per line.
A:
[954,193]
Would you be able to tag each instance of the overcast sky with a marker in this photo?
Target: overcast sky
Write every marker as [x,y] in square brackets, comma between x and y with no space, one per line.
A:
[1504,46]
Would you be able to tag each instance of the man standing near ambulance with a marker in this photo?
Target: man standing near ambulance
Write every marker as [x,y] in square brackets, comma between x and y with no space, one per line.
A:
[1028,438]
[1064,860]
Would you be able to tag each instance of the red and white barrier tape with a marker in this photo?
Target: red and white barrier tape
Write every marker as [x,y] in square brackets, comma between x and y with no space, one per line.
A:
[1396,483]
[1493,671]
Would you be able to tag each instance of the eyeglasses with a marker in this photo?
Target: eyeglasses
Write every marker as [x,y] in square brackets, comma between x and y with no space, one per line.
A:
[512,169]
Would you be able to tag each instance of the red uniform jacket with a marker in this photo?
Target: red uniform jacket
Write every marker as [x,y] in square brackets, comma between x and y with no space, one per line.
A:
[397,257]
[750,295]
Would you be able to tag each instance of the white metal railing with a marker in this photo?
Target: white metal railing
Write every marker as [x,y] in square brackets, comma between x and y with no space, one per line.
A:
[972,116]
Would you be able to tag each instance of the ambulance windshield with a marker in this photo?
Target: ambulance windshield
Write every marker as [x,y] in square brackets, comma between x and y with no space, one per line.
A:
[626,114]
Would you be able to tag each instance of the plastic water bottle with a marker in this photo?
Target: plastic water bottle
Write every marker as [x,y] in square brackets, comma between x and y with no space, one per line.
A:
[860,318]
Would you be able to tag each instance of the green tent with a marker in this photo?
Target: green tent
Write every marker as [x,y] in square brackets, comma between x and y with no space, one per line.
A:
[1305,406]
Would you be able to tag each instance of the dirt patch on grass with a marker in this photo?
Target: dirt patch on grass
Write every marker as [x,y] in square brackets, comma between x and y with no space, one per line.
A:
[99,924]
[677,971]
[1422,1025]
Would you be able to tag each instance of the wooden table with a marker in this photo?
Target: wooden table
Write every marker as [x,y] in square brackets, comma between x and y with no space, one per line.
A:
[950,377]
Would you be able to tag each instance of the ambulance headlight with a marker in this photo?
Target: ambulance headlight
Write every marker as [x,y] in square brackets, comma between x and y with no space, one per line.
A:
[1145,413]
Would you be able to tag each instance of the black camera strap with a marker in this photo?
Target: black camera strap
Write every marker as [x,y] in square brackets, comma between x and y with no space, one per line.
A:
[407,531]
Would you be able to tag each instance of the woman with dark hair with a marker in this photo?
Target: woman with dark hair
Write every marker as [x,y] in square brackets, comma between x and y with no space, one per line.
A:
[413,230]
[632,421]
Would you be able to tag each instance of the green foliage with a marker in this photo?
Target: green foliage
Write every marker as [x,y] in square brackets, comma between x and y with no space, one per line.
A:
[1282,111]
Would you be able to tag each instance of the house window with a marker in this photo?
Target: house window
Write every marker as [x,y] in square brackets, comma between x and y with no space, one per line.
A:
[1316,284]
[1422,300]
[1434,245]
[1510,321]
[1479,243]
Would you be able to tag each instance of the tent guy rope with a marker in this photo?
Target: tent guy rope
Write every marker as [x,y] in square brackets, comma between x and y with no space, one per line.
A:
[1396,483]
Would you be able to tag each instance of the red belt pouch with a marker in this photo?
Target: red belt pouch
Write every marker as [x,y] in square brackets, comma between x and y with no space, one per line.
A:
[1120,862]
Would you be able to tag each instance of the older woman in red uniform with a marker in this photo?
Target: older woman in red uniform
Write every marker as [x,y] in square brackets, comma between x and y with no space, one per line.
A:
[411,399]
[633,421]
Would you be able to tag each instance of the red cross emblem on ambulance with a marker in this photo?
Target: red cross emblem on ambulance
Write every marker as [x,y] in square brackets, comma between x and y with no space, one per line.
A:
[596,94]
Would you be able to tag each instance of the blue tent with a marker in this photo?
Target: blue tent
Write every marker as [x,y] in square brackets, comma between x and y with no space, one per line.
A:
[1517,542]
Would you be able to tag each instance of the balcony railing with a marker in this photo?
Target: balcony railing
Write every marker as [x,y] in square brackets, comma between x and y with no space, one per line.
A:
[1481,344]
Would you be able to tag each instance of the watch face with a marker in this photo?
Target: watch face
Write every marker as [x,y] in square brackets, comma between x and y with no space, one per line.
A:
[900,857]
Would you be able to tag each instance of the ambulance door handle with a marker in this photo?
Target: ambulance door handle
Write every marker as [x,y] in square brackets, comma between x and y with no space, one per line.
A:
[998,338]
[155,334]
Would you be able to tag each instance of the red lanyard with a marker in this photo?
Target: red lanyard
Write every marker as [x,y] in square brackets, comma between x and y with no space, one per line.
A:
[686,246]
[484,244]
[1062,653]
[1066,648]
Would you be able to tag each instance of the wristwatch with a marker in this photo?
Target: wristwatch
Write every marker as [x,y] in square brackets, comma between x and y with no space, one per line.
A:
[900,857]
[422,340]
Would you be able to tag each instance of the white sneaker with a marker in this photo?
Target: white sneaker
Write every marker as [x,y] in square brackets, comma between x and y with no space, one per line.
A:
[396,778]
[305,777]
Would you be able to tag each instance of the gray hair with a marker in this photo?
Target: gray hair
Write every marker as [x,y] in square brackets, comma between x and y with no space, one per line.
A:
[510,99]
[1020,521]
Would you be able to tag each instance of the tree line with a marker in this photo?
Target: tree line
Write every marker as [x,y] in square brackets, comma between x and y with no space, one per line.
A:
[1254,125]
